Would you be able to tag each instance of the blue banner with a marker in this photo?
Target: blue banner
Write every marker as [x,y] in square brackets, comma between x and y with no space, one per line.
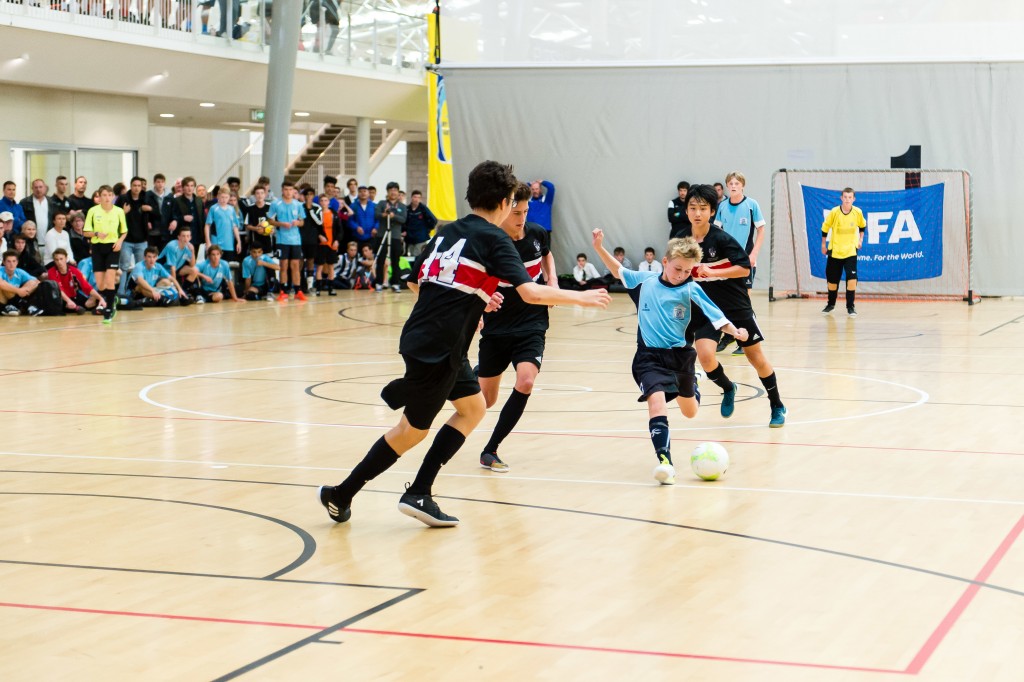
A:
[903,239]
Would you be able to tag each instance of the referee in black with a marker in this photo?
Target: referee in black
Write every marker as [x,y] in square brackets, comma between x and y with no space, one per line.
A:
[457,277]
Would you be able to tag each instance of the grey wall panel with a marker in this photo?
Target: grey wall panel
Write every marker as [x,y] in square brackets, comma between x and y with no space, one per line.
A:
[616,140]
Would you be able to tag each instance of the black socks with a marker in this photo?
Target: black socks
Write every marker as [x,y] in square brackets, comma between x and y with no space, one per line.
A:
[379,459]
[446,443]
[771,385]
[718,376]
[660,436]
[507,420]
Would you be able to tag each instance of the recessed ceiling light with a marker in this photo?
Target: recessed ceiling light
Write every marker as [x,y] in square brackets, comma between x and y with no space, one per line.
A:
[379,121]
[166,115]
[207,105]
[303,114]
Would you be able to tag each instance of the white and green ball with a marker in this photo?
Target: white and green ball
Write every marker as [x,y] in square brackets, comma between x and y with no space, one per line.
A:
[709,461]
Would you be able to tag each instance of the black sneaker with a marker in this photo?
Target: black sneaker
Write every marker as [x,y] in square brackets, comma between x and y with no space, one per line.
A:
[827,309]
[490,460]
[724,343]
[423,508]
[851,311]
[337,514]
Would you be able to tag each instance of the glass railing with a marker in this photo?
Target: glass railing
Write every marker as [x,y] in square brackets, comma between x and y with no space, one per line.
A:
[335,31]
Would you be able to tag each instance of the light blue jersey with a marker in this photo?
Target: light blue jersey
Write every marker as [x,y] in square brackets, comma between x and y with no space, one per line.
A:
[258,274]
[664,311]
[18,279]
[740,221]
[219,275]
[175,255]
[286,213]
[223,220]
[150,275]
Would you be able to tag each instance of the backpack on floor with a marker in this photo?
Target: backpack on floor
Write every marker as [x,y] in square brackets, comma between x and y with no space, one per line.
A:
[47,298]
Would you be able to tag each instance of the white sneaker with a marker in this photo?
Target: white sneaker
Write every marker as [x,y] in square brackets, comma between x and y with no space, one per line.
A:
[34,311]
[395,288]
[378,287]
[665,474]
[11,311]
[200,300]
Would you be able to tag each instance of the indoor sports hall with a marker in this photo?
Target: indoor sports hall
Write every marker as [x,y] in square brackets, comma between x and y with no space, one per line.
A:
[159,475]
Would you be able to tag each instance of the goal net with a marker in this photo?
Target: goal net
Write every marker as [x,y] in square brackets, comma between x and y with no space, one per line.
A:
[917,242]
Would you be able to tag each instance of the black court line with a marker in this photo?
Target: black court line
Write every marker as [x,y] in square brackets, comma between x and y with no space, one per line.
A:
[344,312]
[1016,319]
[315,638]
[308,543]
[191,574]
[699,529]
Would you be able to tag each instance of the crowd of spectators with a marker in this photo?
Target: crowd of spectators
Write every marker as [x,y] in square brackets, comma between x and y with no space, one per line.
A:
[182,242]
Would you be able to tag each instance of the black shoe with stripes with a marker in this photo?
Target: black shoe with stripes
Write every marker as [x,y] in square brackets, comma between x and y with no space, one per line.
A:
[337,512]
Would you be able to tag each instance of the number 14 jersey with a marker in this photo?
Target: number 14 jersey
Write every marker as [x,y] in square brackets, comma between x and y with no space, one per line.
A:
[457,272]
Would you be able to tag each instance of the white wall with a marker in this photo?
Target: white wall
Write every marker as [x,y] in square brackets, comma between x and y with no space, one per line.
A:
[41,117]
[203,154]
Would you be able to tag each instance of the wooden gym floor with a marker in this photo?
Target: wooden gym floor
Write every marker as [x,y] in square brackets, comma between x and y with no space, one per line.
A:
[160,519]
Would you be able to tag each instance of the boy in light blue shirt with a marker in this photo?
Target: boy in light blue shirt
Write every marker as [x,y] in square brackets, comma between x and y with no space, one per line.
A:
[663,366]
[288,215]
[222,226]
[153,282]
[16,286]
[215,277]
[258,271]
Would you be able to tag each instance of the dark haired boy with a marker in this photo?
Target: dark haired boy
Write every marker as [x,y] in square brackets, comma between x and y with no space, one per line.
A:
[722,273]
[457,278]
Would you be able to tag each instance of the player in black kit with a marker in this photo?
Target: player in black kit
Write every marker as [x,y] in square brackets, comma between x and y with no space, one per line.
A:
[515,333]
[721,274]
[457,277]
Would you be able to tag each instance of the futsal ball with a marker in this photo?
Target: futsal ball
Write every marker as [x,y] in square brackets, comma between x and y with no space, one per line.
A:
[709,461]
[268,229]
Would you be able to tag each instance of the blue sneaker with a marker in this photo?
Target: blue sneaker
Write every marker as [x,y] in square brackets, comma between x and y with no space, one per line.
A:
[738,351]
[778,419]
[729,402]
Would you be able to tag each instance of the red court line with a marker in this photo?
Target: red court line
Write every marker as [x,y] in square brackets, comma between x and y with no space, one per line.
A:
[933,642]
[454,638]
[632,652]
[164,616]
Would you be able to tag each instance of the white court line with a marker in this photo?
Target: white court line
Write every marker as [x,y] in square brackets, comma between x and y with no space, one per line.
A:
[144,396]
[215,464]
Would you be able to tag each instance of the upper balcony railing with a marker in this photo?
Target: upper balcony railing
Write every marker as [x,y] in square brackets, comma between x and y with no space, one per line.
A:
[344,32]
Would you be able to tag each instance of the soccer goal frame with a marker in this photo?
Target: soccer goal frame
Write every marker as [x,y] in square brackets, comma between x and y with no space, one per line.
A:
[789,270]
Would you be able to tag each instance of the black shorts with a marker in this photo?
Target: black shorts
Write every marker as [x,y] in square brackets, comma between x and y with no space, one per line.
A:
[104,257]
[664,369]
[325,255]
[743,320]
[289,251]
[426,386]
[835,267]
[497,351]
[309,250]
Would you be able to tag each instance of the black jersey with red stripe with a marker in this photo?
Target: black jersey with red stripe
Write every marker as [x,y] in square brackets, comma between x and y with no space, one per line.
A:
[722,251]
[516,316]
[458,271]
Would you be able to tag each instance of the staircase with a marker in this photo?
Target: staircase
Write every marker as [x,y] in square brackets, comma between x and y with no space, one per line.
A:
[332,151]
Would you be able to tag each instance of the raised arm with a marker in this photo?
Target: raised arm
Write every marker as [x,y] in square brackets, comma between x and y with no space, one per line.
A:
[614,266]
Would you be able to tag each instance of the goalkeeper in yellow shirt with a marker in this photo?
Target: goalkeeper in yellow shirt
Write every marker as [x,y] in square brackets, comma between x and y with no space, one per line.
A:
[846,223]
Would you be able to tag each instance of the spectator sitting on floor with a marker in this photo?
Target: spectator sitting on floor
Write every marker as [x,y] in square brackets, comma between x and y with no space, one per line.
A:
[650,263]
[258,275]
[153,282]
[75,291]
[585,273]
[16,286]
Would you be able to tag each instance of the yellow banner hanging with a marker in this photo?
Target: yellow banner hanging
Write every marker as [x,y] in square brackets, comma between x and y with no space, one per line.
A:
[440,180]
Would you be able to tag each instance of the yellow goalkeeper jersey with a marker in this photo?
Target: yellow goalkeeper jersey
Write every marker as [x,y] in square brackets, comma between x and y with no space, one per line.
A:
[845,228]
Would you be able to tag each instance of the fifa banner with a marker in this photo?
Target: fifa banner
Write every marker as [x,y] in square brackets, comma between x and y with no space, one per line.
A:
[903,238]
[440,180]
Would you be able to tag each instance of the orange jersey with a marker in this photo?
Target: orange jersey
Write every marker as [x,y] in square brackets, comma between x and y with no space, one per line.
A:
[329,228]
